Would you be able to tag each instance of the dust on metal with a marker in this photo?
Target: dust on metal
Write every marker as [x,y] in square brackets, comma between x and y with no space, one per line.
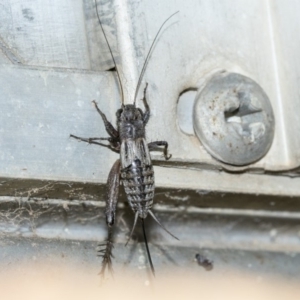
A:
[204,262]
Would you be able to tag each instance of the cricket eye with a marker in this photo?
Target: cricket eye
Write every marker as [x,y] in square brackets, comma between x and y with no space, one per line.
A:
[119,112]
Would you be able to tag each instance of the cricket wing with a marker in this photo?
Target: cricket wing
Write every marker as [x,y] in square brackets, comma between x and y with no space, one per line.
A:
[132,150]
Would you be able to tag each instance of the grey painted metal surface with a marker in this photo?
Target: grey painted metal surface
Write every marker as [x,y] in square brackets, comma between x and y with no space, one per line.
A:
[35,141]
[35,130]
[53,63]
[203,41]
[41,106]
[55,34]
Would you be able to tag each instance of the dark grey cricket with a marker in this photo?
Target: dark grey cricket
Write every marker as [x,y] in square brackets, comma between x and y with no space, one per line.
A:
[134,168]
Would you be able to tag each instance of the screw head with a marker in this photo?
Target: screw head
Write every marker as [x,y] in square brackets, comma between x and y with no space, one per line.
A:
[233,118]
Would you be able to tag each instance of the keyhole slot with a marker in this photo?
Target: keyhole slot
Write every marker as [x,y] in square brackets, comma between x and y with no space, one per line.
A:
[185,108]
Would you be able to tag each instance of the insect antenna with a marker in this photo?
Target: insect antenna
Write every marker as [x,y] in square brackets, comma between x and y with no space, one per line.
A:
[111,53]
[156,220]
[148,56]
[148,252]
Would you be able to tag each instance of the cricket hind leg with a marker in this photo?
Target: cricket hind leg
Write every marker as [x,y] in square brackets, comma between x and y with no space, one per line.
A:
[113,182]
[154,146]
[106,248]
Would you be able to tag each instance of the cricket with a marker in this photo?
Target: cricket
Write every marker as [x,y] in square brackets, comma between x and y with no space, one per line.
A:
[134,168]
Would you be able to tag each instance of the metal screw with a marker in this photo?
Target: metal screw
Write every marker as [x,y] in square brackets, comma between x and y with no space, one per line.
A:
[233,118]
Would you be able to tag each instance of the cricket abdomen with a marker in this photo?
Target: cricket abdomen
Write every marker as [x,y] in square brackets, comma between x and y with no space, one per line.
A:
[137,175]
[138,182]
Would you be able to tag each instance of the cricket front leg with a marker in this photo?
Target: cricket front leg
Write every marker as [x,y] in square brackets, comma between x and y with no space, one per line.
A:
[110,129]
[113,183]
[154,146]
[113,133]
[147,108]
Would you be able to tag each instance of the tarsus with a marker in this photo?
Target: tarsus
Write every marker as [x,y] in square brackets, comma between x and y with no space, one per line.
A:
[106,253]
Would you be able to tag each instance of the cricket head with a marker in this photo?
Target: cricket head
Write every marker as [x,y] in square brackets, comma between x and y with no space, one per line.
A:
[129,113]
